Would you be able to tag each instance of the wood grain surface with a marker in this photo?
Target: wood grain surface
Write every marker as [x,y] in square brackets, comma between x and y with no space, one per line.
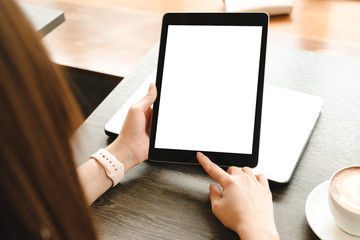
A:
[112,36]
[170,201]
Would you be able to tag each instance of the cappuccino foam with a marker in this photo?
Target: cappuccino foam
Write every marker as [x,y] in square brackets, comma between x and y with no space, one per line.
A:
[345,187]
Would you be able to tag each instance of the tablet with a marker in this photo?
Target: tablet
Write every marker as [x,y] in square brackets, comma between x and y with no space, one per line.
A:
[210,79]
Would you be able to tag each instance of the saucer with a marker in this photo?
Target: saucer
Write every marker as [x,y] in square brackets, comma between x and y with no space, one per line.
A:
[319,217]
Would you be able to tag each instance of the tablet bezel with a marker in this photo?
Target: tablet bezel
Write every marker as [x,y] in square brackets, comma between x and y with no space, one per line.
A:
[219,19]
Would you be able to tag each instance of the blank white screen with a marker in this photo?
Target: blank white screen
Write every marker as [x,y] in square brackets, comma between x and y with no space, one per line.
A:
[209,87]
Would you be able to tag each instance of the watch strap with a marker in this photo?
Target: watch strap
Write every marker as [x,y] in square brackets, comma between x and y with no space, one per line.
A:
[114,168]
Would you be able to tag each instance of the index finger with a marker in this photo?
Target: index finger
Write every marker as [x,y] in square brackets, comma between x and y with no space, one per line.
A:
[212,169]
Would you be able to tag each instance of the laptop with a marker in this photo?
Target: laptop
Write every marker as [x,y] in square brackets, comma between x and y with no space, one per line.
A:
[288,119]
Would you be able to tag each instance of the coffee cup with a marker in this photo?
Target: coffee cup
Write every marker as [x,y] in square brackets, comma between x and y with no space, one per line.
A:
[344,199]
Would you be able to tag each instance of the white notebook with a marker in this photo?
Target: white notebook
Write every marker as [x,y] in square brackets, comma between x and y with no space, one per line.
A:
[288,120]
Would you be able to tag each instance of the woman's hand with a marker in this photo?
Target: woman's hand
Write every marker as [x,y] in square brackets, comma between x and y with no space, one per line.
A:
[132,145]
[245,203]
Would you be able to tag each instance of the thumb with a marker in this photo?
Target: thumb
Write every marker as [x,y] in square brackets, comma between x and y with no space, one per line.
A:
[215,193]
[148,99]
[263,180]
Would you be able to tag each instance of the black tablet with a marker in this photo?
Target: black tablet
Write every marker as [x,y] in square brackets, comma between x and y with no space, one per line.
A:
[210,79]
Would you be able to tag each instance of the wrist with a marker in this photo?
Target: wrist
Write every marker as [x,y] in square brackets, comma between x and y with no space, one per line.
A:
[258,231]
[114,169]
[120,151]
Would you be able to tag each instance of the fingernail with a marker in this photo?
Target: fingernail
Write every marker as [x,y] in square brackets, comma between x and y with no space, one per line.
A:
[200,153]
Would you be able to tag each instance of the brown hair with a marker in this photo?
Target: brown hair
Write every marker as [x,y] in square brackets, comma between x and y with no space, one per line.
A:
[41,197]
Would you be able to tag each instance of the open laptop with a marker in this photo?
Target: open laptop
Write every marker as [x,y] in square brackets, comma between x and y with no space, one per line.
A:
[288,119]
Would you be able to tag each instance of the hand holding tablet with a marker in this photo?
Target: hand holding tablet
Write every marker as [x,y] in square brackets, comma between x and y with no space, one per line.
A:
[210,85]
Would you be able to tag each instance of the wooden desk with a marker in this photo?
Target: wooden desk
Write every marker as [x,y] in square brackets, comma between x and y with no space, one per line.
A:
[44,20]
[112,36]
[170,201]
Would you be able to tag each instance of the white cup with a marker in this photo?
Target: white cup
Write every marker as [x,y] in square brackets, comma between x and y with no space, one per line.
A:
[344,199]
